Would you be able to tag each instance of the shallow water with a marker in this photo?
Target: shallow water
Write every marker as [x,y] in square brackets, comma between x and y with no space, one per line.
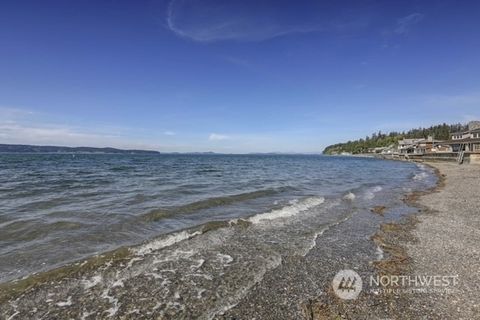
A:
[55,209]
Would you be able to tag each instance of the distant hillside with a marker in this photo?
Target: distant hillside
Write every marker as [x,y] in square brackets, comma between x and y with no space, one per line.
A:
[19,148]
[439,132]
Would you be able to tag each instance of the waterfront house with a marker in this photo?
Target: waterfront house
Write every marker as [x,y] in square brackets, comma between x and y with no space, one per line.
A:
[468,141]
[421,146]
[406,146]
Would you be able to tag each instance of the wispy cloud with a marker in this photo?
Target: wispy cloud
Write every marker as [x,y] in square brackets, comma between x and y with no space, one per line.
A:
[169,133]
[13,113]
[21,126]
[13,132]
[405,24]
[218,137]
[208,21]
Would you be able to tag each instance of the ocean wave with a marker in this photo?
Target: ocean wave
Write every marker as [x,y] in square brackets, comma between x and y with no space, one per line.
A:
[421,166]
[349,196]
[420,176]
[291,210]
[121,168]
[164,242]
[158,214]
[370,193]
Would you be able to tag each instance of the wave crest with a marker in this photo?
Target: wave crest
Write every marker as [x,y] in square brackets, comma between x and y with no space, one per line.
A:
[193,207]
[291,210]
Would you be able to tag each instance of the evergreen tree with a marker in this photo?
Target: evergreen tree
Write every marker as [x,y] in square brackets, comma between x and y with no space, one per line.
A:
[379,139]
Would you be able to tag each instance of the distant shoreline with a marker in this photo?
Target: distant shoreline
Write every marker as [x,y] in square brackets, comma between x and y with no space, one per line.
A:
[25,149]
[46,149]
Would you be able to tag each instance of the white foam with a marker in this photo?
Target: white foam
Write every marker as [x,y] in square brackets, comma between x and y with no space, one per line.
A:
[288,211]
[200,293]
[420,176]
[87,284]
[114,301]
[319,233]
[199,264]
[370,194]
[421,166]
[13,315]
[154,275]
[167,241]
[349,196]
[314,241]
[225,259]
[65,303]
[379,253]
[132,261]
[118,283]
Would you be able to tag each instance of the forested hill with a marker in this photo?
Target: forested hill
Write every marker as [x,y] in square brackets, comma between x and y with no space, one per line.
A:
[439,132]
[20,148]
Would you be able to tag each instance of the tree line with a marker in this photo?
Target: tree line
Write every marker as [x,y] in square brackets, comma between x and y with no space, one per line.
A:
[380,139]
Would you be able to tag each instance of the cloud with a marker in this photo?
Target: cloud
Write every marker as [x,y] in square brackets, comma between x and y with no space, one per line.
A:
[209,20]
[20,126]
[14,113]
[406,23]
[13,132]
[217,137]
[169,133]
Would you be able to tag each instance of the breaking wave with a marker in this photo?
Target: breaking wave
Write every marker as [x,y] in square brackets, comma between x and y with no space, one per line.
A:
[420,176]
[193,207]
[349,196]
[293,209]
[164,242]
[370,193]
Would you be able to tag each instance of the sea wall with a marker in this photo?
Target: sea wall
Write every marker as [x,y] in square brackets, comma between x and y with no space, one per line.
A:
[435,157]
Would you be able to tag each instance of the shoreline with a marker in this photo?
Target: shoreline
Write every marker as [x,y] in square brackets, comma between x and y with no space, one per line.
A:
[391,238]
[311,308]
[447,240]
[430,242]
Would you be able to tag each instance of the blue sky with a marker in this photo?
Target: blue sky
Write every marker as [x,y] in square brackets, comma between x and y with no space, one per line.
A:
[233,76]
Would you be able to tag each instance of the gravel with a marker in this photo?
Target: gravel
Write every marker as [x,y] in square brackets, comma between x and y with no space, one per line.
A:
[448,243]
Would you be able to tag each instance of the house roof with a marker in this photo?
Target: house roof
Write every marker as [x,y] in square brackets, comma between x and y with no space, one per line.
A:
[468,140]
[408,141]
[426,140]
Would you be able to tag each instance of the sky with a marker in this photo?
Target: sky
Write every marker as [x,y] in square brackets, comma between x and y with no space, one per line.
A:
[233,76]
